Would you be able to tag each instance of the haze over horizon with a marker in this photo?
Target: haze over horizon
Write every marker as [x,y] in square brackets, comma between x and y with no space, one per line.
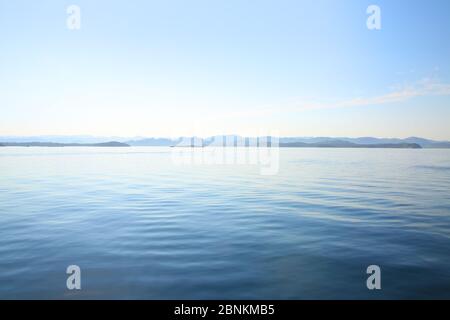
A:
[170,69]
[128,137]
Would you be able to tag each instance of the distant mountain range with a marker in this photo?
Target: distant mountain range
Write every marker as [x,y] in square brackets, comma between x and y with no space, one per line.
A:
[297,142]
[287,142]
[58,144]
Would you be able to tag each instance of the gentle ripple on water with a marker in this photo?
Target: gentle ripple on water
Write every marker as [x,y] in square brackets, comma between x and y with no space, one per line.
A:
[141,227]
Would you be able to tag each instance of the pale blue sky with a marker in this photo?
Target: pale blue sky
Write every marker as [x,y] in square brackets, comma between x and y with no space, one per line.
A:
[170,68]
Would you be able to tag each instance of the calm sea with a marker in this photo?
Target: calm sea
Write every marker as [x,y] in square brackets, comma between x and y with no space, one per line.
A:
[141,227]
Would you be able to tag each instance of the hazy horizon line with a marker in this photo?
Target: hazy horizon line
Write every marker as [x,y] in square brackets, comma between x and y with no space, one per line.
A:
[3,136]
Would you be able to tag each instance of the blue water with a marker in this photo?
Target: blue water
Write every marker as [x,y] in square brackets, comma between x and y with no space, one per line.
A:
[141,227]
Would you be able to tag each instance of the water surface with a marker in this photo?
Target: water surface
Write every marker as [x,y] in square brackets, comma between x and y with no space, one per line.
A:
[141,227]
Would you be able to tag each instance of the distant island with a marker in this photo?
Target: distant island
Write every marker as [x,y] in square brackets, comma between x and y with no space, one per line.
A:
[345,144]
[56,144]
[224,140]
[297,142]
